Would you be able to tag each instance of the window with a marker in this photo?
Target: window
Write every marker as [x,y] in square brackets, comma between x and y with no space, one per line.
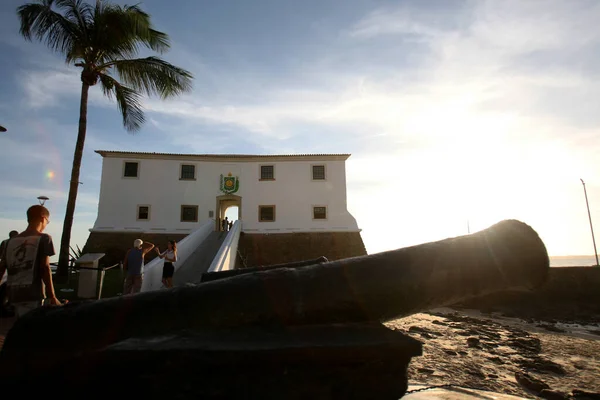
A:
[320,212]
[266,213]
[130,170]
[189,213]
[188,172]
[267,172]
[143,213]
[318,172]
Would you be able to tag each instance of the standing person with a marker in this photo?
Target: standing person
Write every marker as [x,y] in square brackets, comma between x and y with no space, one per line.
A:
[170,256]
[133,265]
[27,261]
[3,290]
[230,224]
[225,224]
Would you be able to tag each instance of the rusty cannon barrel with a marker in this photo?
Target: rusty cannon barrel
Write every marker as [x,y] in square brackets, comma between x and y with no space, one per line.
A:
[508,255]
[213,276]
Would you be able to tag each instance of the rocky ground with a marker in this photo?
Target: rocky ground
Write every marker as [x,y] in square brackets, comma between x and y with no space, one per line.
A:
[492,352]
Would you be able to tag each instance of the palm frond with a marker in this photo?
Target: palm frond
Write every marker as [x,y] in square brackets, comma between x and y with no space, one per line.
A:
[111,36]
[79,12]
[128,101]
[121,31]
[140,20]
[153,75]
[39,21]
[76,254]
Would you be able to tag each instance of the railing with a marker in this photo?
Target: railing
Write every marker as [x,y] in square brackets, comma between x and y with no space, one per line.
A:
[225,258]
[185,247]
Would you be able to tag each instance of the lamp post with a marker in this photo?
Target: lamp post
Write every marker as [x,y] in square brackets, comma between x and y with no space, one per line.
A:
[42,200]
[590,218]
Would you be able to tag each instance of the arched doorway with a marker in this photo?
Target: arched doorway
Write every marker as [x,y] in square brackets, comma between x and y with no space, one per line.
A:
[227,205]
[232,213]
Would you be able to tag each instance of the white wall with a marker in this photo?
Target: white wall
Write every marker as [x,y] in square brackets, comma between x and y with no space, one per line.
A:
[293,192]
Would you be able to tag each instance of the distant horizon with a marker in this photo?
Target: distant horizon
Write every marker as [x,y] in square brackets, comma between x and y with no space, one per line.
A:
[573,256]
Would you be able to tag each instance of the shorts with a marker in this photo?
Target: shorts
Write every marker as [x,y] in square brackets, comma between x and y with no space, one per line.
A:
[133,284]
[168,270]
[24,307]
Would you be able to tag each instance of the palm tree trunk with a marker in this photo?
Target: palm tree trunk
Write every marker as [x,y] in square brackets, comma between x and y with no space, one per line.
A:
[63,257]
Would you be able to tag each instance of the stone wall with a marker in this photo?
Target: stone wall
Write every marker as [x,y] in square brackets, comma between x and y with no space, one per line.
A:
[268,249]
[116,244]
[570,294]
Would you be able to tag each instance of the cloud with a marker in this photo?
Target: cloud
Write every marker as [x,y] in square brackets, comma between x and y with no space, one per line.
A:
[415,21]
[453,110]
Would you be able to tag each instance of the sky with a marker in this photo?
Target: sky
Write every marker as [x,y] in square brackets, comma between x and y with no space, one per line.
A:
[458,114]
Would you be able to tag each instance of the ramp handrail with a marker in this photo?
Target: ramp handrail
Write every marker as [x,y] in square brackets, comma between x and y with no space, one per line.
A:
[185,247]
[225,258]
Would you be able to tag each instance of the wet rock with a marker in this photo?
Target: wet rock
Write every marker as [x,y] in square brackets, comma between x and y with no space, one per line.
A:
[417,329]
[551,328]
[496,360]
[473,342]
[543,366]
[476,373]
[552,395]
[530,383]
[491,346]
[579,365]
[530,344]
[425,370]
[583,395]
[518,333]
[491,335]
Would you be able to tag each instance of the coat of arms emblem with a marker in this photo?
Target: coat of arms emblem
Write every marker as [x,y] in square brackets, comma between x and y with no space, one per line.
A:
[229,184]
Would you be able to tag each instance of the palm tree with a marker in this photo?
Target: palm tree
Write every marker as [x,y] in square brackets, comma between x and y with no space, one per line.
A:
[103,39]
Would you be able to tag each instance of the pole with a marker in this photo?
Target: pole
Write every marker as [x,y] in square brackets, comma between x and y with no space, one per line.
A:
[468,227]
[590,218]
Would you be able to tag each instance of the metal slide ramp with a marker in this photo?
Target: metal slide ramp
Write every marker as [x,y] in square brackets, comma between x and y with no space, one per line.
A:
[199,261]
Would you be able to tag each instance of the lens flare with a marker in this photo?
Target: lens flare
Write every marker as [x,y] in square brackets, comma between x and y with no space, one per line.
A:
[50,175]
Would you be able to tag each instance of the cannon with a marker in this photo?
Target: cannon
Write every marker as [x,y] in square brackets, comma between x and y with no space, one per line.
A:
[312,331]
[213,276]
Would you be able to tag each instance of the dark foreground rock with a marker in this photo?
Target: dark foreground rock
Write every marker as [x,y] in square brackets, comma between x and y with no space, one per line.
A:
[552,395]
[585,395]
[531,383]
[318,362]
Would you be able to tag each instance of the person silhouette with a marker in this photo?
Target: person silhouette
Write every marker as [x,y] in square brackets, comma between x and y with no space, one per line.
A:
[27,259]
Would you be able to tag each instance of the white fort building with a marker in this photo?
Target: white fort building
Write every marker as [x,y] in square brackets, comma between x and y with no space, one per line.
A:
[291,207]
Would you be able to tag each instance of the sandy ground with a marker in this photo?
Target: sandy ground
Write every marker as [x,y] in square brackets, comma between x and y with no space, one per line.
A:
[507,355]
